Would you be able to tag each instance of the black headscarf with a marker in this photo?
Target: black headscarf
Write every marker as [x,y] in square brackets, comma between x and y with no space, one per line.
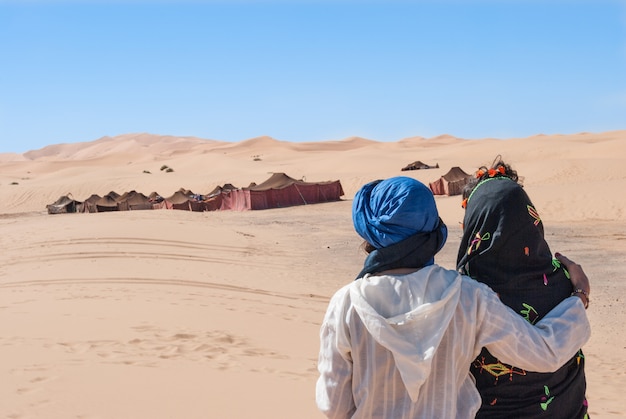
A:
[503,246]
[415,251]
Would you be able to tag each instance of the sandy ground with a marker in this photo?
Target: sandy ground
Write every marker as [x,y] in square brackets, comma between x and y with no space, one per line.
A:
[174,314]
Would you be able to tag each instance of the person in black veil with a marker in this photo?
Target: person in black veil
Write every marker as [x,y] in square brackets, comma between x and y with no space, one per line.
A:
[503,246]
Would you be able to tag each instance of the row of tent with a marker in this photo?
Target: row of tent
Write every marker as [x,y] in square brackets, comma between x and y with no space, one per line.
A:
[277,191]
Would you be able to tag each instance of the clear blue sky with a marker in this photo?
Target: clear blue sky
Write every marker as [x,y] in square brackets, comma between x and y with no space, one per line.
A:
[309,70]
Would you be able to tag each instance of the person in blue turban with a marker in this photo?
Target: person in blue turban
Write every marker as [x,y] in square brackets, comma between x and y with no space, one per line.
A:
[397,342]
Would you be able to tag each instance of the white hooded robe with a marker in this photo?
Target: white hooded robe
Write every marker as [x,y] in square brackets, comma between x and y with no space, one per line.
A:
[400,346]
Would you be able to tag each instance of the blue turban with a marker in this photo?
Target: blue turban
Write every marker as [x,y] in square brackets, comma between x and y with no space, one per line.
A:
[386,212]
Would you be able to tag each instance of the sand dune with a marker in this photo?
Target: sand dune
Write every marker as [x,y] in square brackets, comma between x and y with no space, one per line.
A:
[559,170]
[165,314]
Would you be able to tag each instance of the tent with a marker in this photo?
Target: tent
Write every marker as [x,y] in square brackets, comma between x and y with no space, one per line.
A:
[452,183]
[89,205]
[280,190]
[183,199]
[107,203]
[113,195]
[65,204]
[134,200]
[213,200]
[178,200]
[417,165]
[219,189]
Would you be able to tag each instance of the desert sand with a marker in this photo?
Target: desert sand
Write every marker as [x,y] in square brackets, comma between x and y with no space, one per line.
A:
[177,314]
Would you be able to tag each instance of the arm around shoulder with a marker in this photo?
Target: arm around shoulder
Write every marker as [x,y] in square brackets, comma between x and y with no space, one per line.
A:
[541,348]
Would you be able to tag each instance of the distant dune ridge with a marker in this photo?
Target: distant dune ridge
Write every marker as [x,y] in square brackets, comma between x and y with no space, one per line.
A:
[560,171]
[179,314]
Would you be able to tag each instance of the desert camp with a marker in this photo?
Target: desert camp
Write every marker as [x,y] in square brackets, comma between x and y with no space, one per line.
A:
[161,313]
[278,191]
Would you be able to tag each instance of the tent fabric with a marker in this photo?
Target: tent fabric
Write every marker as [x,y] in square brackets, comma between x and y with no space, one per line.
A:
[452,183]
[155,196]
[187,192]
[280,190]
[183,199]
[229,187]
[93,198]
[107,203]
[219,189]
[276,181]
[133,201]
[178,198]
[113,195]
[418,165]
[213,203]
[89,204]
[65,204]
[216,191]
[238,200]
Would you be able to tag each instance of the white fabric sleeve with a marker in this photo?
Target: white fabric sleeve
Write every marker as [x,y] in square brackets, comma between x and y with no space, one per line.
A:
[333,392]
[544,347]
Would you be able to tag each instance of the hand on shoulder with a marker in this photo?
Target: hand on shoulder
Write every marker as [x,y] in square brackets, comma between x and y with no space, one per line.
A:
[579,279]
